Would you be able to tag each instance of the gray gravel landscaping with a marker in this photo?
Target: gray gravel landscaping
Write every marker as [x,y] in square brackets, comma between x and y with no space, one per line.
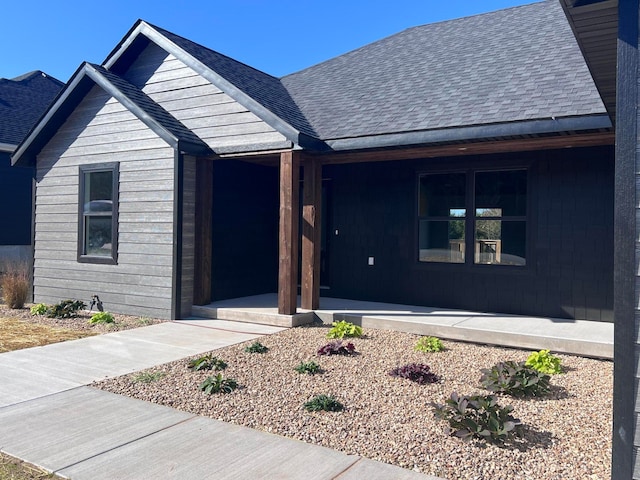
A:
[567,433]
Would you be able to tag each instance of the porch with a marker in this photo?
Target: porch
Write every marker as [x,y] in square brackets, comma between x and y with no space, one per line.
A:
[579,337]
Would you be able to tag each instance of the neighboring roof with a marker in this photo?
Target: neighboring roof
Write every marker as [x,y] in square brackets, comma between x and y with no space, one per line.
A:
[22,101]
[137,102]
[513,65]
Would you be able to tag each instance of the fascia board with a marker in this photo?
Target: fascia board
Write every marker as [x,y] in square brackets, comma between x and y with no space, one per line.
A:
[534,127]
[7,147]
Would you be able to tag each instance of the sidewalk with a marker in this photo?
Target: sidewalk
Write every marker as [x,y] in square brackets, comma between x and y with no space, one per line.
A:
[49,417]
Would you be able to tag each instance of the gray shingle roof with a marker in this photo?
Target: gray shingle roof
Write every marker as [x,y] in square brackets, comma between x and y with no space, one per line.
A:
[22,101]
[512,65]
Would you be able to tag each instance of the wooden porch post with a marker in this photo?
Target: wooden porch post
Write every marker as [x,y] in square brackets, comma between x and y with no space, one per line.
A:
[311,226]
[202,245]
[288,243]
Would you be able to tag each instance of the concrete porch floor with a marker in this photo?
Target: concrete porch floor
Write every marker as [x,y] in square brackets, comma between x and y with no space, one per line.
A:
[579,337]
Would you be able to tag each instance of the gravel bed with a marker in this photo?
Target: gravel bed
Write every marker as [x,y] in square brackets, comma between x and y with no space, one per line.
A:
[567,434]
[80,323]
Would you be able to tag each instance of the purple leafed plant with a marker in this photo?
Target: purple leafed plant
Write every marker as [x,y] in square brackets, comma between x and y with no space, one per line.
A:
[416,372]
[337,348]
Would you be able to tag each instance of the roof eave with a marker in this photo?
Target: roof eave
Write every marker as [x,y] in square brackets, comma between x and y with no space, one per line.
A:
[473,133]
[7,147]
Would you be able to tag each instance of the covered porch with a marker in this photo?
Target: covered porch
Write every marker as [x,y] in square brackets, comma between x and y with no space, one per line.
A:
[579,337]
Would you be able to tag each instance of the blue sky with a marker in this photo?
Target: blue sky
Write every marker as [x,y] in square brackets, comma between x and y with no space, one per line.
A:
[276,36]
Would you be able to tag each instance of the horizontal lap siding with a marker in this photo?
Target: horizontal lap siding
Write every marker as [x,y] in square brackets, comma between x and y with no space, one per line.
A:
[101,130]
[220,121]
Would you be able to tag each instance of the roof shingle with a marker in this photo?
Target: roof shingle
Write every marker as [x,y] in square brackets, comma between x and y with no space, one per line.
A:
[22,101]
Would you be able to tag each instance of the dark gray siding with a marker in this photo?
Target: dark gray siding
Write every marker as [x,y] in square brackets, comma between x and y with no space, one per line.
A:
[15,202]
[224,124]
[570,262]
[102,130]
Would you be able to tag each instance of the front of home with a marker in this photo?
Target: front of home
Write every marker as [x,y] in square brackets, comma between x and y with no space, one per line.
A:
[453,165]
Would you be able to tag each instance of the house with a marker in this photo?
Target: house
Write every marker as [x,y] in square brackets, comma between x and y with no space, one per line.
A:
[22,100]
[463,164]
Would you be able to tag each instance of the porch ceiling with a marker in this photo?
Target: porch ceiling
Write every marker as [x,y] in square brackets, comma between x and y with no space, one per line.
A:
[595,25]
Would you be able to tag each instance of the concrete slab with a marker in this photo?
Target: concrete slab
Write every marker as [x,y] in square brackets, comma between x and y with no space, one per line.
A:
[19,385]
[241,327]
[60,430]
[203,448]
[372,470]
[580,337]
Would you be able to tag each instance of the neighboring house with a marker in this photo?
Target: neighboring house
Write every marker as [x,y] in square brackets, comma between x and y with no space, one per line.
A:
[464,164]
[22,101]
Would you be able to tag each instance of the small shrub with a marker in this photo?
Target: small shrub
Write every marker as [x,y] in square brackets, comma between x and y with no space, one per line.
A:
[66,309]
[323,402]
[207,362]
[218,384]
[344,329]
[15,285]
[416,372]
[310,368]
[514,378]
[337,348]
[478,416]
[148,377]
[101,317]
[429,344]
[256,347]
[39,309]
[544,362]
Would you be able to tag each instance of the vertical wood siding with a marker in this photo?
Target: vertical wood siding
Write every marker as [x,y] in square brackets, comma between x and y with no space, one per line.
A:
[102,130]
[569,272]
[215,117]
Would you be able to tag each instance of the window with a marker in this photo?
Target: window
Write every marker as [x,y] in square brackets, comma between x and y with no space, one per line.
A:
[497,202]
[98,207]
[442,211]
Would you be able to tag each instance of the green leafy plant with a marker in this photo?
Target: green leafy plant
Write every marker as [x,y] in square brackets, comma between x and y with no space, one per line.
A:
[544,362]
[310,368]
[66,309]
[337,348]
[344,329]
[218,384]
[429,344]
[514,378]
[323,402]
[416,372]
[148,377]
[207,362]
[478,416]
[101,317]
[39,309]
[256,347]
[15,284]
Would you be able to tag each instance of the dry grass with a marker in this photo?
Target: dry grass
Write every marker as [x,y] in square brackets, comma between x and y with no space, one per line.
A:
[16,334]
[15,284]
[14,469]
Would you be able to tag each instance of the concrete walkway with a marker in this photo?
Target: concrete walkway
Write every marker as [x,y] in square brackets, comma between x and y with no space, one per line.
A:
[49,417]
